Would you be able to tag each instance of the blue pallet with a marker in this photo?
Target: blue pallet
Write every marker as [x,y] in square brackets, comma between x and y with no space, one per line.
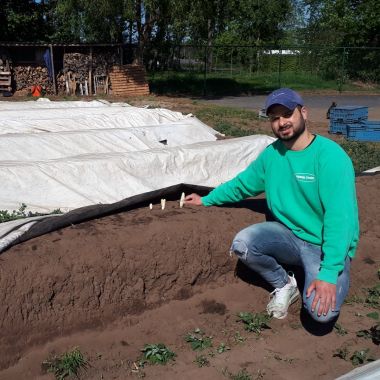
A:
[368,131]
[341,127]
[349,114]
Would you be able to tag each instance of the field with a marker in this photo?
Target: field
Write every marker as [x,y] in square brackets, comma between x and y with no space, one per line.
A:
[104,289]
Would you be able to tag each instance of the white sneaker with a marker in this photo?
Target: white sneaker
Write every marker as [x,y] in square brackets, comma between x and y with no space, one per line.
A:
[282,298]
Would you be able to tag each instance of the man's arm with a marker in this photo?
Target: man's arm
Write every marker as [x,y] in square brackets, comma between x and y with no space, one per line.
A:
[340,227]
[248,183]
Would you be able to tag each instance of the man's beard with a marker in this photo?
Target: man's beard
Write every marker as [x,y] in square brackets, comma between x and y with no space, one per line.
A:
[296,132]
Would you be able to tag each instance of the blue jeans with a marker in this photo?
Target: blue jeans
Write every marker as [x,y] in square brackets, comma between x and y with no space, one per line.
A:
[263,246]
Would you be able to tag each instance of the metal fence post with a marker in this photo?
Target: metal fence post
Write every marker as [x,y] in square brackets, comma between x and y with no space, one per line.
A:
[279,68]
[342,71]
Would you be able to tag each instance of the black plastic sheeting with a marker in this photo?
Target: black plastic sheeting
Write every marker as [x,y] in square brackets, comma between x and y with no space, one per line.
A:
[53,223]
[82,214]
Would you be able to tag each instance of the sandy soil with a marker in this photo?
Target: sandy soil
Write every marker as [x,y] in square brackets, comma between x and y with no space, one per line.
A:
[109,286]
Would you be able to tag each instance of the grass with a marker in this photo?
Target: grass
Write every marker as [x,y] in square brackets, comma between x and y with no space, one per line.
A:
[68,364]
[157,354]
[239,82]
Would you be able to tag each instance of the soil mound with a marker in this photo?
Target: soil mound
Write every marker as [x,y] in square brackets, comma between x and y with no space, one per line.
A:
[88,275]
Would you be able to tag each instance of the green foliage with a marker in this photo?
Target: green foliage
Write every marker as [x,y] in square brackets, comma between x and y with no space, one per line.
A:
[157,353]
[255,322]
[198,340]
[6,216]
[364,156]
[68,364]
[202,361]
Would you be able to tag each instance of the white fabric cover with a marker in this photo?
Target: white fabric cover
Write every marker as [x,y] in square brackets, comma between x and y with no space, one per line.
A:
[65,155]
[72,182]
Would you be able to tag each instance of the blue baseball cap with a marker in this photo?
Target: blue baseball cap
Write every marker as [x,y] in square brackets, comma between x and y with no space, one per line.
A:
[284,96]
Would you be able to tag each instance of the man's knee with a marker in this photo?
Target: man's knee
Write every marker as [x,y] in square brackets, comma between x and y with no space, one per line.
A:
[329,317]
[240,248]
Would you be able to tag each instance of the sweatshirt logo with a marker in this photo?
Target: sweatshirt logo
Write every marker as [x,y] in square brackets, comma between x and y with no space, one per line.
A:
[305,177]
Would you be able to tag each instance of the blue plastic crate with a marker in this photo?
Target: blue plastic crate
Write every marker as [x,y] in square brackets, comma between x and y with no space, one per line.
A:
[349,114]
[340,127]
[368,131]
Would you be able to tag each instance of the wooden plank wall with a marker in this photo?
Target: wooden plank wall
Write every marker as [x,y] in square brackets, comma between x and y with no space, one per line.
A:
[129,80]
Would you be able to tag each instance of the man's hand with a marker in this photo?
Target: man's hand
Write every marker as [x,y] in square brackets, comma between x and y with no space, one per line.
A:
[325,293]
[193,199]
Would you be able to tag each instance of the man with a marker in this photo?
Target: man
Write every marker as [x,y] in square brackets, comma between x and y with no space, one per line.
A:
[309,183]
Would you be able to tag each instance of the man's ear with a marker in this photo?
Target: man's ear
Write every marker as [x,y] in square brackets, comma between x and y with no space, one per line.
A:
[304,112]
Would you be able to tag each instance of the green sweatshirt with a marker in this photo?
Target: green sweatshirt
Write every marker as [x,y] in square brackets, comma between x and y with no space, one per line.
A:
[311,191]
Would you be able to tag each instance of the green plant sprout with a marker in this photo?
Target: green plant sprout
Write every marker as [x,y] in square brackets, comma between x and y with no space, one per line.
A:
[198,340]
[254,322]
[239,338]
[68,364]
[222,348]
[157,353]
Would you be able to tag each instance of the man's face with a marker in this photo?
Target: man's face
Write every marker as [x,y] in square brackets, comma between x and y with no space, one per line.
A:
[287,125]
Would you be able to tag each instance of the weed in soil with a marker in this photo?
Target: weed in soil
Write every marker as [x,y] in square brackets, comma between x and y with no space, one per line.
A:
[239,338]
[339,329]
[373,297]
[373,333]
[201,361]
[241,375]
[254,322]
[157,353]
[222,348]
[374,315]
[361,357]
[68,364]
[198,340]
[341,353]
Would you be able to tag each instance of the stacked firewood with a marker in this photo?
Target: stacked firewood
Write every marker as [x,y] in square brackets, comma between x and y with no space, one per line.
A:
[79,67]
[25,77]
[80,63]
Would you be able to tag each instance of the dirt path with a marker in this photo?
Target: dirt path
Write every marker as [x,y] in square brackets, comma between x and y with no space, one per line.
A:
[114,284]
[316,103]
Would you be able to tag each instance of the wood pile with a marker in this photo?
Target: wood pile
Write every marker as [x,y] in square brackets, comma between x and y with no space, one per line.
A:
[25,77]
[129,80]
[81,68]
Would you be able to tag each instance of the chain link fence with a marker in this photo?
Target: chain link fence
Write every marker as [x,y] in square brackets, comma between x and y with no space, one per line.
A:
[341,68]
